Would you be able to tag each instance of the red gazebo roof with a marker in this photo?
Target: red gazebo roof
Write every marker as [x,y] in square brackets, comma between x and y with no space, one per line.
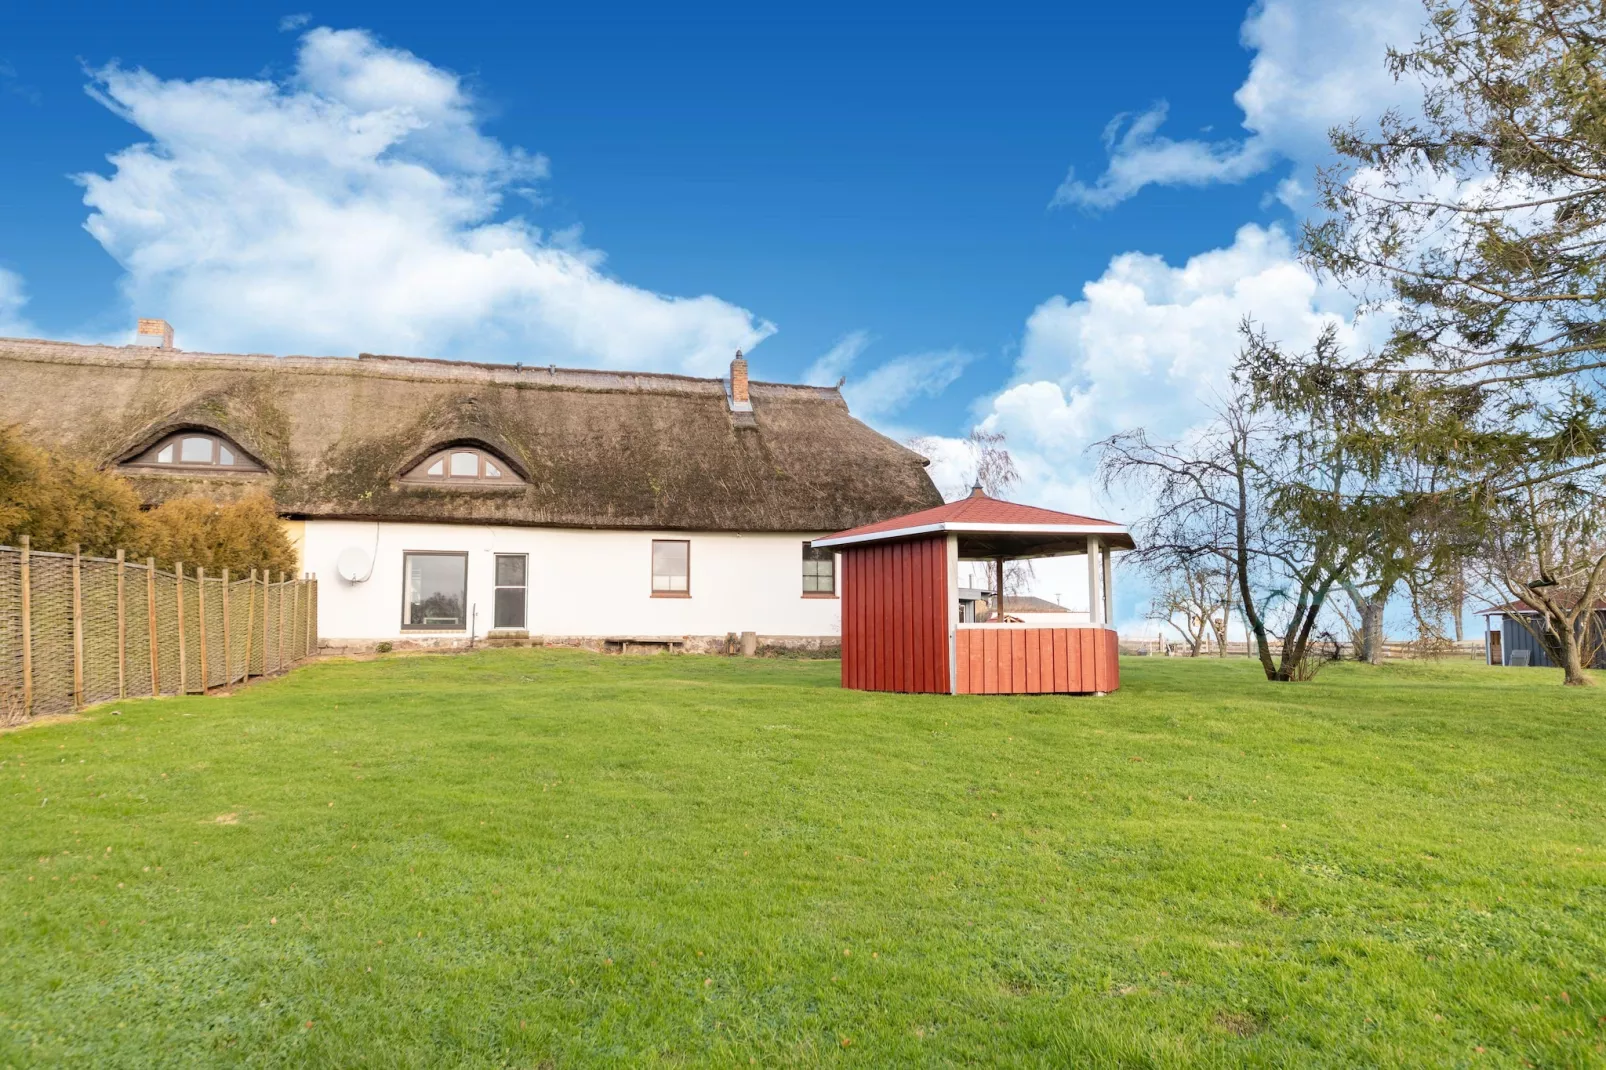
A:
[1019,530]
[1524,607]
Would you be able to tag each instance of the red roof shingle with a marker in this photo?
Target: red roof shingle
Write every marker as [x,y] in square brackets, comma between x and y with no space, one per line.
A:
[979,509]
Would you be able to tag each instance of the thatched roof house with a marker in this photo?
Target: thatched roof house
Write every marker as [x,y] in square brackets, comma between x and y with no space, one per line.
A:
[333,437]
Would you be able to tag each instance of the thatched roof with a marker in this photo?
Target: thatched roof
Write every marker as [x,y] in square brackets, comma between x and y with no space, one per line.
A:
[597,449]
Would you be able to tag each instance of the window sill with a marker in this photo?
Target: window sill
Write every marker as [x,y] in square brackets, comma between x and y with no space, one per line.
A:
[412,629]
[213,470]
[671,594]
[460,484]
[819,594]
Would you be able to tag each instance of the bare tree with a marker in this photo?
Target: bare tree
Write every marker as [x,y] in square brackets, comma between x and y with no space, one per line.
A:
[1283,510]
[1191,591]
[993,467]
[990,467]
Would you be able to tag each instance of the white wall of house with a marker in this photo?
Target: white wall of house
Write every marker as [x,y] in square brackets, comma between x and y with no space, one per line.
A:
[1066,618]
[580,582]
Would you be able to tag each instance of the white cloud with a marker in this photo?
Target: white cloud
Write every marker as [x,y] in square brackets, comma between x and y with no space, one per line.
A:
[1141,156]
[356,205]
[893,385]
[12,297]
[1317,65]
[1147,344]
[291,23]
[836,361]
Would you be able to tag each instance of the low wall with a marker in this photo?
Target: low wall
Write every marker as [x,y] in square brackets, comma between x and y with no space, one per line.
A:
[773,646]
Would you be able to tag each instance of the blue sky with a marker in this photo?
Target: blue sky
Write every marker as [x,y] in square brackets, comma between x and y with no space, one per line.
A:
[875,192]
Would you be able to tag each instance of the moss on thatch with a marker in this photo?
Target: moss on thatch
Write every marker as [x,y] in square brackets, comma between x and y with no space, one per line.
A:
[598,449]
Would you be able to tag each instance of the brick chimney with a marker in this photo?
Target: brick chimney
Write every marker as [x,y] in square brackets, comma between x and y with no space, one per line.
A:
[158,333]
[739,378]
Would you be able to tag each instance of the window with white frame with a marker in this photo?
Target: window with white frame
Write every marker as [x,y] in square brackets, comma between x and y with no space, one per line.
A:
[435,591]
[511,588]
[671,568]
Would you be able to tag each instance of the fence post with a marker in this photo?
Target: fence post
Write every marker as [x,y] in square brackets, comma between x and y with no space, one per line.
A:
[265,622]
[228,665]
[183,669]
[295,612]
[27,633]
[308,637]
[122,632]
[250,623]
[200,620]
[150,618]
[77,628]
[281,622]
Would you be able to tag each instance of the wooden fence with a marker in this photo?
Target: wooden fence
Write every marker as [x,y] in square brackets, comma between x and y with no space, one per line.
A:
[1237,648]
[77,630]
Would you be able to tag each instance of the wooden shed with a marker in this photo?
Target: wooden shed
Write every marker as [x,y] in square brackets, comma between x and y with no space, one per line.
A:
[1510,637]
[901,620]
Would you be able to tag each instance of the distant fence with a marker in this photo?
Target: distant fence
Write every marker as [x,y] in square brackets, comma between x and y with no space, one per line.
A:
[1392,651]
[79,630]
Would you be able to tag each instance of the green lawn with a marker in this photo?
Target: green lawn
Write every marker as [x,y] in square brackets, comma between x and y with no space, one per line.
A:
[530,858]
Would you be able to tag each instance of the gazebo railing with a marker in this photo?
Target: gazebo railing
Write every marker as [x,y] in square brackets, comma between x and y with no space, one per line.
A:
[1025,658]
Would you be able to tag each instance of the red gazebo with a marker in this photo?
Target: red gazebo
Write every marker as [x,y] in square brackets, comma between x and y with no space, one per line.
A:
[900,603]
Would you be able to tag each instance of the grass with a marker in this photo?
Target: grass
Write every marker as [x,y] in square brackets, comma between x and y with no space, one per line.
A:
[531,858]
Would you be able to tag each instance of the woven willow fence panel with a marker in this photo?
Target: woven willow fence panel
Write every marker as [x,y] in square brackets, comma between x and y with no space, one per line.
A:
[79,630]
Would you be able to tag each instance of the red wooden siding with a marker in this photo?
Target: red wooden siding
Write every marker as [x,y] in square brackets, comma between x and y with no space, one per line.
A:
[1016,661]
[895,616]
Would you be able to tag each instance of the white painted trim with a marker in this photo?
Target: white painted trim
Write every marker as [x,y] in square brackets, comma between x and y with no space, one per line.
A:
[951,545]
[988,529]
[1032,626]
[1109,582]
[1095,601]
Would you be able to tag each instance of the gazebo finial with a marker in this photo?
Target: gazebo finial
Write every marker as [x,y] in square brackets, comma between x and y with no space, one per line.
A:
[976,491]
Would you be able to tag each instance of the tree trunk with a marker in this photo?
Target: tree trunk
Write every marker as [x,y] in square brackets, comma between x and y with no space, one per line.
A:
[1572,662]
[1369,641]
[1226,618]
[1371,650]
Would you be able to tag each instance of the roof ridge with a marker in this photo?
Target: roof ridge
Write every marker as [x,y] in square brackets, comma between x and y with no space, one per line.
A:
[387,365]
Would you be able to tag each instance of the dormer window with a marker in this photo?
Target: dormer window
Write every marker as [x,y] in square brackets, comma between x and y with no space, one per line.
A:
[463,464]
[195,449]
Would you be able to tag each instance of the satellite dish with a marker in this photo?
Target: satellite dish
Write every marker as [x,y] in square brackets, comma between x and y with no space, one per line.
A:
[353,564]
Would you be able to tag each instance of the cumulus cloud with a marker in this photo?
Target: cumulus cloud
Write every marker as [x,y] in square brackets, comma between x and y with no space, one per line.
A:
[1317,65]
[357,205]
[1147,344]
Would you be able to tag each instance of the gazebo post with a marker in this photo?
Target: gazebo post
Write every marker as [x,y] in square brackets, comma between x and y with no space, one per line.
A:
[1095,606]
[1109,588]
[998,611]
[951,616]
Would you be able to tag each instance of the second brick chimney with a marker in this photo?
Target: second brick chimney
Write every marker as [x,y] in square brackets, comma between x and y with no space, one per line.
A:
[739,379]
[151,332]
